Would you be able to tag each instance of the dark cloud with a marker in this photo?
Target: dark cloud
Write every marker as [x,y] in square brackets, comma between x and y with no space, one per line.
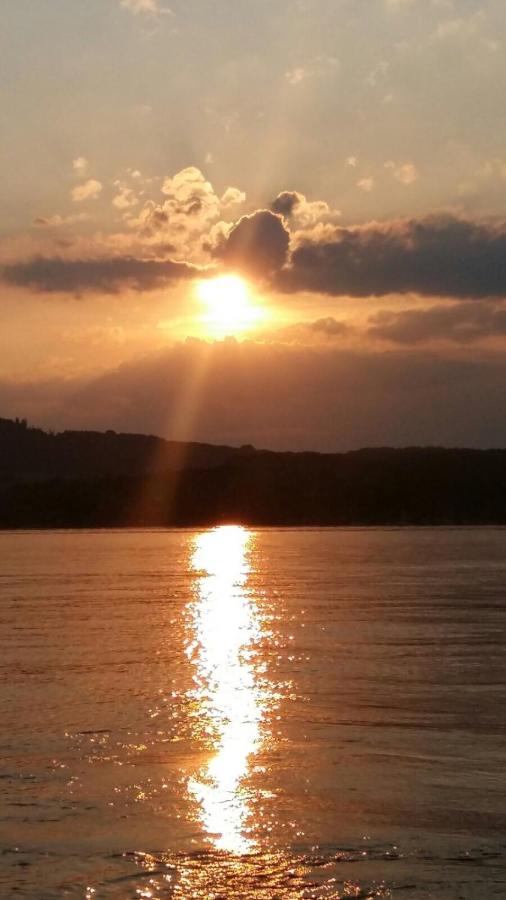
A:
[283,396]
[326,329]
[257,245]
[327,326]
[285,203]
[106,275]
[438,256]
[461,323]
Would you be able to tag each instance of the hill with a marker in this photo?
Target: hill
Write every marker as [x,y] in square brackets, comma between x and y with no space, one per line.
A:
[31,454]
[95,479]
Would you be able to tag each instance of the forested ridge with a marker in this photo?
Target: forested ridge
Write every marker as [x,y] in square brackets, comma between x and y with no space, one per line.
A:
[104,479]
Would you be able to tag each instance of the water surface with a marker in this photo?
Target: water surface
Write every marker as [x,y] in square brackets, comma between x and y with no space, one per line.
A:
[268,714]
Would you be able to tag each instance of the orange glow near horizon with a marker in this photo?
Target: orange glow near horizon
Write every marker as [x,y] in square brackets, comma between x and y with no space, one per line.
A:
[229,306]
[225,625]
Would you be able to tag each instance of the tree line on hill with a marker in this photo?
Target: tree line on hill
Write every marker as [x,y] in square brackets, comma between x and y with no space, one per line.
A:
[91,479]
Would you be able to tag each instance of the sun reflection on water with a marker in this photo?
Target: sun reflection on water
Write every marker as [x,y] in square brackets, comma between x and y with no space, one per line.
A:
[225,625]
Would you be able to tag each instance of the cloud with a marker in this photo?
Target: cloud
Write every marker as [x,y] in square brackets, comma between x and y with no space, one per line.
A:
[366,184]
[125,198]
[232,196]
[189,193]
[315,68]
[407,173]
[257,245]
[438,256]
[80,166]
[324,329]
[186,213]
[460,323]
[435,256]
[57,221]
[399,4]
[107,275]
[460,28]
[292,205]
[150,7]
[285,203]
[327,326]
[295,76]
[322,397]
[90,190]
[378,74]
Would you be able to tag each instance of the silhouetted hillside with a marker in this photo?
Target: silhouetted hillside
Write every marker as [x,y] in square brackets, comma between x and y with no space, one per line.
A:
[30,454]
[86,479]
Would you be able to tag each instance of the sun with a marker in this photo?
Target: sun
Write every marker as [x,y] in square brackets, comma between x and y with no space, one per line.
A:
[230,308]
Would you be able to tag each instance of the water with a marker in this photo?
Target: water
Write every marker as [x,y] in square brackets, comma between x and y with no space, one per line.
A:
[271,714]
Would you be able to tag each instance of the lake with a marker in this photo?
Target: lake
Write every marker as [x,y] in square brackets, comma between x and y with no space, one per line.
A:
[253,714]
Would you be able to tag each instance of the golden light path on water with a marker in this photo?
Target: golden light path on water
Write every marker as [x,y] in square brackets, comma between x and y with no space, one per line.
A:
[231,702]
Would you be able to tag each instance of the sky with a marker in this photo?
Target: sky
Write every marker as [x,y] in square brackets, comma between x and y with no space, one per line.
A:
[277,222]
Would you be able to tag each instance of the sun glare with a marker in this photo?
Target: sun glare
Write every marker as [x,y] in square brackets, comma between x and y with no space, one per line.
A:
[229,305]
[232,701]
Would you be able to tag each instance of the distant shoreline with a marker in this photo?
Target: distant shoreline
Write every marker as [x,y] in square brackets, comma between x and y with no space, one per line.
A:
[106,480]
[184,529]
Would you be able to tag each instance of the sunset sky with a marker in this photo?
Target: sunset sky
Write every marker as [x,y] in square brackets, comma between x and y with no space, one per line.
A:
[278,222]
